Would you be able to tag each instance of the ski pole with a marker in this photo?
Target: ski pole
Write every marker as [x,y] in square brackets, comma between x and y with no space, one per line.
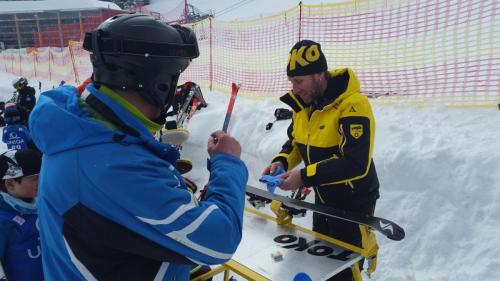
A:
[230,106]
[234,92]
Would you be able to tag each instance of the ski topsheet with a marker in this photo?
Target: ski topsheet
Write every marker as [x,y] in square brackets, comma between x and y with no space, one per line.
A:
[388,228]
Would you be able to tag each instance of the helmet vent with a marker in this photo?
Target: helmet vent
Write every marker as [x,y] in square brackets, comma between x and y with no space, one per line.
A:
[162,87]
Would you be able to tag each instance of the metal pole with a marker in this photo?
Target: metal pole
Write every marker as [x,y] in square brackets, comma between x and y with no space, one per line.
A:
[40,42]
[80,24]
[61,41]
[300,20]
[17,32]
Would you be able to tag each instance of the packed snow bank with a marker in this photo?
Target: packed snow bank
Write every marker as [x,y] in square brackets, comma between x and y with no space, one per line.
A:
[439,170]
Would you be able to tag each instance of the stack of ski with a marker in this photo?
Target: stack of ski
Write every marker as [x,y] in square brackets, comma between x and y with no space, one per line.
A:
[193,101]
[188,100]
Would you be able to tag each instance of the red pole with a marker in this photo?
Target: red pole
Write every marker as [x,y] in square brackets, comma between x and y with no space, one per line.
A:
[20,64]
[232,99]
[75,71]
[4,61]
[34,60]
[50,58]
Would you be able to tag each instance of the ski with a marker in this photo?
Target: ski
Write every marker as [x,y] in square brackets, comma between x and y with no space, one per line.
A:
[230,106]
[388,228]
[199,95]
[183,113]
[186,104]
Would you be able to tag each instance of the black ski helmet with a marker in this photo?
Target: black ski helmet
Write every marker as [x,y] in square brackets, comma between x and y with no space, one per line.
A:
[138,52]
[19,82]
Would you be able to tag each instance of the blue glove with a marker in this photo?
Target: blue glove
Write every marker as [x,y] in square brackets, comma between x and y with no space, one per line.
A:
[271,180]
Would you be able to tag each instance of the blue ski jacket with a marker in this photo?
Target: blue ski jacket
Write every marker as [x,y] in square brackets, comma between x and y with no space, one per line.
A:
[113,207]
[20,253]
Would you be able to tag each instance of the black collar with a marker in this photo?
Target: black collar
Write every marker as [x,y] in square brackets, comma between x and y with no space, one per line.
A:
[336,86]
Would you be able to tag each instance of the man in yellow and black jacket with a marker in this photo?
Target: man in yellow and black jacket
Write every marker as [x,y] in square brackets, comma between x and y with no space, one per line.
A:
[333,132]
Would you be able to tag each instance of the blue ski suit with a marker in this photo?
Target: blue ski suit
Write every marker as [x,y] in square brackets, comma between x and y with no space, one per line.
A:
[111,204]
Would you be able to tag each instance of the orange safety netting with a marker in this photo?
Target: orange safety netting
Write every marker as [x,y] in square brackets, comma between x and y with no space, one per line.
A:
[404,52]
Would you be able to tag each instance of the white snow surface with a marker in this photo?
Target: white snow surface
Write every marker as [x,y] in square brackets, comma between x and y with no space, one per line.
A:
[439,170]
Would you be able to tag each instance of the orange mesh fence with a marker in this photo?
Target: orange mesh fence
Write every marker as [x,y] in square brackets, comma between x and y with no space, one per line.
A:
[408,52]
[422,52]
[404,52]
[81,61]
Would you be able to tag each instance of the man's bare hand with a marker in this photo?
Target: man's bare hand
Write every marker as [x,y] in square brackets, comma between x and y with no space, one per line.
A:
[291,180]
[271,168]
[222,142]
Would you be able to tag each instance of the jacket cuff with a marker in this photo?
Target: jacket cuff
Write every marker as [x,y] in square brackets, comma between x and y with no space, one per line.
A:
[308,175]
[281,159]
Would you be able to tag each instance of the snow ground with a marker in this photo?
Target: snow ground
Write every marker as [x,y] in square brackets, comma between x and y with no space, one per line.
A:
[439,170]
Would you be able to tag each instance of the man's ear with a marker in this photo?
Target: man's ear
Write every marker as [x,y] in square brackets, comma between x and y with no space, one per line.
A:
[320,76]
[9,185]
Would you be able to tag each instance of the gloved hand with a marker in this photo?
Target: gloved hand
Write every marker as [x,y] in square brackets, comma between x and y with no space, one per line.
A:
[271,180]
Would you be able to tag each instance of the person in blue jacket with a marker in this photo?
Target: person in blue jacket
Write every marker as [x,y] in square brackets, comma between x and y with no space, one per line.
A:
[112,206]
[24,97]
[20,253]
[15,134]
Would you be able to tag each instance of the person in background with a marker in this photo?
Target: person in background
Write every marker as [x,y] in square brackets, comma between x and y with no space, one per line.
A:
[112,205]
[333,132]
[15,134]
[20,253]
[25,99]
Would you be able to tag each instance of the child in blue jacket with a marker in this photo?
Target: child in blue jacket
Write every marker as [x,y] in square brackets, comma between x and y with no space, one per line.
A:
[20,252]
[15,134]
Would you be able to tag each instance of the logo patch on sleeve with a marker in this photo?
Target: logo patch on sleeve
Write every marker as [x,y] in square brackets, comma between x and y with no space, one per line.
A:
[356,130]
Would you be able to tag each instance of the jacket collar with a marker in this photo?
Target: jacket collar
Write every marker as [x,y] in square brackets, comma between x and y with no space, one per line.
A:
[134,131]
